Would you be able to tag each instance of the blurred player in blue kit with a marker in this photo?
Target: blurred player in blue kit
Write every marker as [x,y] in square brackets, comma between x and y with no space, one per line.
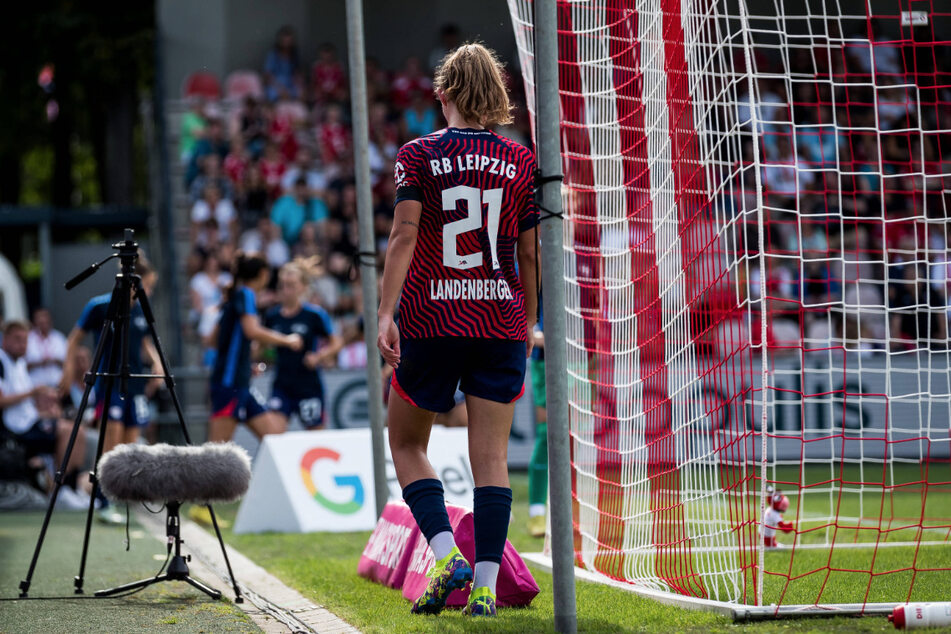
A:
[232,399]
[298,384]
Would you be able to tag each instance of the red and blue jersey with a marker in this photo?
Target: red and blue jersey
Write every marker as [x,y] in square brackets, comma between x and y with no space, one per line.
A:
[476,191]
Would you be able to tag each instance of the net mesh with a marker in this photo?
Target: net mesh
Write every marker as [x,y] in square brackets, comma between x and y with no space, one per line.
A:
[757,271]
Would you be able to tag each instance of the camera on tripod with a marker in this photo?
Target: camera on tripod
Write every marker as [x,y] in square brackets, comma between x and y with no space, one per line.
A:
[111,365]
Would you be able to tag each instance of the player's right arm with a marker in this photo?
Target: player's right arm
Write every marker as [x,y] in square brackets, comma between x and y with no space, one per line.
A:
[243,303]
[72,346]
[253,330]
[399,254]
[527,254]
[87,320]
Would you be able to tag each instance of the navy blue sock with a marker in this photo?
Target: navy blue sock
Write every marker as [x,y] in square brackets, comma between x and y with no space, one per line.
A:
[493,507]
[428,504]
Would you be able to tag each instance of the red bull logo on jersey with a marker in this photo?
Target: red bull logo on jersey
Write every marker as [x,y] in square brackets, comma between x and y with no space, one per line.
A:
[470,289]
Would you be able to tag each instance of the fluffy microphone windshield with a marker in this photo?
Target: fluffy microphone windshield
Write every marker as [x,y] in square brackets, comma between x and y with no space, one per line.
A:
[213,472]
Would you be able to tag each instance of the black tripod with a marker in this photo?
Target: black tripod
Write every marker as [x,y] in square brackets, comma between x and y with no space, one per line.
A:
[115,336]
[177,568]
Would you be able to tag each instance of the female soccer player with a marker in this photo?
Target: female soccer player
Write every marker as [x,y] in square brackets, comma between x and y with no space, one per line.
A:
[232,399]
[464,214]
[298,385]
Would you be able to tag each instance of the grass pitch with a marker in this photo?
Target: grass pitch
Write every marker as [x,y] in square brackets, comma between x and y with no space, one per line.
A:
[322,566]
[164,607]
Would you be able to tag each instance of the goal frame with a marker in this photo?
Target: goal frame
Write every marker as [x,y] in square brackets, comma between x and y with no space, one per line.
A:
[561,498]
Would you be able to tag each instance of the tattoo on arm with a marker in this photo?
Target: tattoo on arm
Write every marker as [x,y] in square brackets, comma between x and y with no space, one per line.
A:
[409,222]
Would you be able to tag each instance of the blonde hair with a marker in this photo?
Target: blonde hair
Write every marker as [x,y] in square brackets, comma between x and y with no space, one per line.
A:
[471,77]
[306,268]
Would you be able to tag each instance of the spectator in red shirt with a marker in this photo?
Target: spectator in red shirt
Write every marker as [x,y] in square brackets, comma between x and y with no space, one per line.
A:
[272,166]
[328,81]
[410,80]
[237,161]
[333,136]
[283,128]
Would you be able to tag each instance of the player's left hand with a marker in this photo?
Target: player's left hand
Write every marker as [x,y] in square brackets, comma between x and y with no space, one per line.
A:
[530,340]
[388,341]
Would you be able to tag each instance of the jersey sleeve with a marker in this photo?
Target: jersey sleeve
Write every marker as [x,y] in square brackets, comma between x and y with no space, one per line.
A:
[245,303]
[407,173]
[528,210]
[91,317]
[323,318]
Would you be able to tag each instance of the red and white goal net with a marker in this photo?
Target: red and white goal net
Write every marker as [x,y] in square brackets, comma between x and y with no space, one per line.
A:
[757,272]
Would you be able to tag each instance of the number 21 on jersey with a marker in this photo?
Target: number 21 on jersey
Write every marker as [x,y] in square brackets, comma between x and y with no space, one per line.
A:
[474,199]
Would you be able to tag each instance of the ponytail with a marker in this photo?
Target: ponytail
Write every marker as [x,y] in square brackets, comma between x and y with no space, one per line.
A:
[244,268]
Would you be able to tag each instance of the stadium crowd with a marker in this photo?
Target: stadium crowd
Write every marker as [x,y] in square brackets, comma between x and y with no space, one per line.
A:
[269,169]
[856,189]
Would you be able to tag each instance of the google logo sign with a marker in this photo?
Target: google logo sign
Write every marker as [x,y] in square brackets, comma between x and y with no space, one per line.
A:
[344,508]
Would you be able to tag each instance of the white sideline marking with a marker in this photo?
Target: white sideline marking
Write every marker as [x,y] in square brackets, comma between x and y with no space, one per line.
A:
[208,565]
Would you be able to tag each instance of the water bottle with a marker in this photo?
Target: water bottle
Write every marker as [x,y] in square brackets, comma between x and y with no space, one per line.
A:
[914,615]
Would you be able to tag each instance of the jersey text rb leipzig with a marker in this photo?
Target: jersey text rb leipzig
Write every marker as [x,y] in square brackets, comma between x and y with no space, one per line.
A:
[476,191]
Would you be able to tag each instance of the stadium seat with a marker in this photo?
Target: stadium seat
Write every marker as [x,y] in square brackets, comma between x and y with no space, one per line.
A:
[201,84]
[243,83]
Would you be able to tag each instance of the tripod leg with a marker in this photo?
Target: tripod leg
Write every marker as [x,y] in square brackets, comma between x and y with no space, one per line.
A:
[94,478]
[77,425]
[211,592]
[143,299]
[224,551]
[117,317]
[135,585]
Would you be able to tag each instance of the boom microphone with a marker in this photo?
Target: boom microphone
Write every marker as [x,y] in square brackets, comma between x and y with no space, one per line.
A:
[213,472]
